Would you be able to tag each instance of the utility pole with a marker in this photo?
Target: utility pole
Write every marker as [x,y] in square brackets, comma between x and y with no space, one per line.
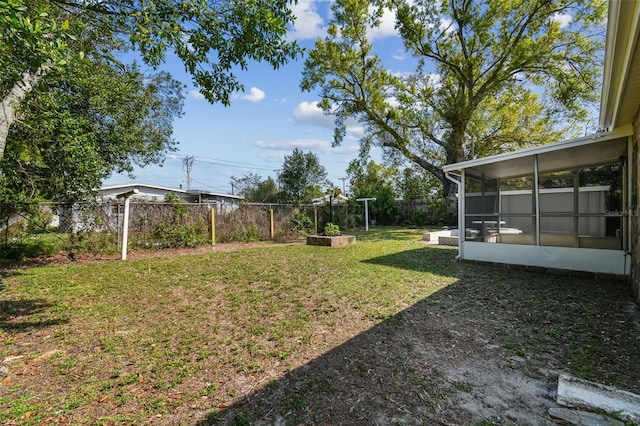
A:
[343,179]
[188,164]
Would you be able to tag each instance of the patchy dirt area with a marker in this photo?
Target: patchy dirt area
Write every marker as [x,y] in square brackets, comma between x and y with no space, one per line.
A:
[436,364]
[485,350]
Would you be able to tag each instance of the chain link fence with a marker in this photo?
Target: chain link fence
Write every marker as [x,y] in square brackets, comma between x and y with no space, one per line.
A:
[34,229]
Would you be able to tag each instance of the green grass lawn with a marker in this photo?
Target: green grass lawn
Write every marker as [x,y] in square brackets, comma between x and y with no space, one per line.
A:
[135,341]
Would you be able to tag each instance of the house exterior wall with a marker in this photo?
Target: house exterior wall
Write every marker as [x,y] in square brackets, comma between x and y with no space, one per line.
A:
[634,205]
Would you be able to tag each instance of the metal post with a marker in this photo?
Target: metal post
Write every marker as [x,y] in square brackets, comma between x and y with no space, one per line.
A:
[366,215]
[125,228]
[125,221]
[366,210]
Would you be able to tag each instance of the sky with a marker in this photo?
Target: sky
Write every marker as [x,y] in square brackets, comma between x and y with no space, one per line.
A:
[271,118]
[266,122]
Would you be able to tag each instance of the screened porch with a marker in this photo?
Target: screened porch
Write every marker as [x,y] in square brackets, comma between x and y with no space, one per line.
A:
[561,206]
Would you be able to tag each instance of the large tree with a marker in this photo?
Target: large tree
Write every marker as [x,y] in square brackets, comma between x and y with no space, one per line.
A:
[492,75]
[90,118]
[211,37]
[302,177]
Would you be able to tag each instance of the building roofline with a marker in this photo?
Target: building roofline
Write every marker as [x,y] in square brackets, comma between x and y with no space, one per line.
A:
[220,194]
[165,188]
[623,25]
[541,149]
[142,185]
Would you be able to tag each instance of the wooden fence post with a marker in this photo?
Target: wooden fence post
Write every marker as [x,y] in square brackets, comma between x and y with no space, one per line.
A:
[272,225]
[213,225]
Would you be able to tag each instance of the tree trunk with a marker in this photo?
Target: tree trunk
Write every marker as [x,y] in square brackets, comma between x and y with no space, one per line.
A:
[12,101]
[455,154]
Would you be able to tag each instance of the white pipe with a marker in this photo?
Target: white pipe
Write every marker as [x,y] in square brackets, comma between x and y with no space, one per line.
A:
[366,210]
[125,221]
[461,227]
[125,228]
[366,215]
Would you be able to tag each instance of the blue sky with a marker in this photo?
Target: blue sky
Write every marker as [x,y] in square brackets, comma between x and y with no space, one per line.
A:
[266,122]
[271,118]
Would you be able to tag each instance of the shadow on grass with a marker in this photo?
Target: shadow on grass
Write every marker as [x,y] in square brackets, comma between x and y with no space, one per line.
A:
[428,259]
[12,311]
[484,350]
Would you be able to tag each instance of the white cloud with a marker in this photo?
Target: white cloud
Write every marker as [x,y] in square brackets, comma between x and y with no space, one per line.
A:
[254,95]
[310,113]
[392,101]
[195,94]
[399,55]
[305,144]
[402,74]
[308,24]
[433,79]
[322,146]
[272,157]
[447,26]
[386,27]
[563,19]
[355,130]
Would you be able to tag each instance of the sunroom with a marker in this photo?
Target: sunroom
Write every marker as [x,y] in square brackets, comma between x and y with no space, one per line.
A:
[560,206]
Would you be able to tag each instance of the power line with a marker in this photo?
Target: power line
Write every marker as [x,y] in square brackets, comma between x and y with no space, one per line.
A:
[229,163]
[212,187]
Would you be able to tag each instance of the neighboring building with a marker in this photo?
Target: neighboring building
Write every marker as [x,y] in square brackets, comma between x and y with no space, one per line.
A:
[325,199]
[158,193]
[572,205]
[107,214]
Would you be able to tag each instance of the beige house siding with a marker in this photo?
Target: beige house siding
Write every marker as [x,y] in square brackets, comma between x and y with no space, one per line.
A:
[635,226]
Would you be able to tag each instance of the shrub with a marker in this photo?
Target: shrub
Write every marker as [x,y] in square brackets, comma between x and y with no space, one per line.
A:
[417,218]
[33,246]
[331,230]
[181,235]
[299,224]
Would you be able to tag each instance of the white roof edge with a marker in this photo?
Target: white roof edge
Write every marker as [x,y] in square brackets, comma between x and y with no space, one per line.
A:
[221,194]
[143,185]
[610,42]
[541,149]
[165,188]
[622,27]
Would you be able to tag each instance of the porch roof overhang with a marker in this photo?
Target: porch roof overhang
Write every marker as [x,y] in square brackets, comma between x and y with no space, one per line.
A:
[621,76]
[602,148]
